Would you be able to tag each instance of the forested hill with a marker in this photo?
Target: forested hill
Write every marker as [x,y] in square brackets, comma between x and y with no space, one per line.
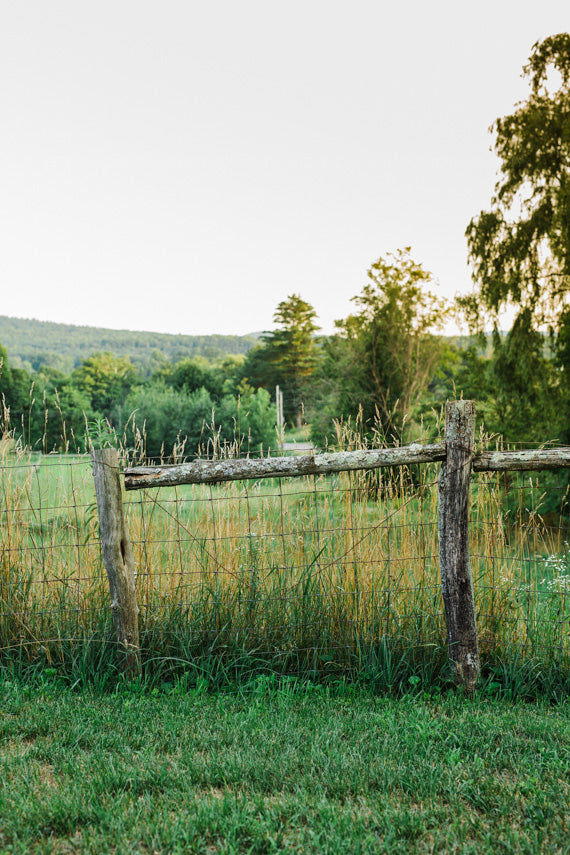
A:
[31,344]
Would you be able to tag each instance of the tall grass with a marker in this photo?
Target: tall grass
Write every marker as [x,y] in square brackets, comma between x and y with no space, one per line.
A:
[326,577]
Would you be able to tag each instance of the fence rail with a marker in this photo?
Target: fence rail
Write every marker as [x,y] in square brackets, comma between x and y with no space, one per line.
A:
[216,471]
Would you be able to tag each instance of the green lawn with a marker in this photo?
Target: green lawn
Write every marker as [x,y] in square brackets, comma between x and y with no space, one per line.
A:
[295,770]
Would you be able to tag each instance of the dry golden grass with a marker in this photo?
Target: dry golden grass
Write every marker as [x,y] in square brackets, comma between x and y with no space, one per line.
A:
[314,563]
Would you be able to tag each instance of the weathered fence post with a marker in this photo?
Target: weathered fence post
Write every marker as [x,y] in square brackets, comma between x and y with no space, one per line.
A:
[456,584]
[117,554]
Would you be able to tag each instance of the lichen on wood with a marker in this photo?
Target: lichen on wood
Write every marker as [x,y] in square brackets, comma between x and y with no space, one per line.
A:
[211,471]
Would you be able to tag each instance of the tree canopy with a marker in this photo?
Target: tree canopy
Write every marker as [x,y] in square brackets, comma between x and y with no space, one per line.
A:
[106,380]
[384,355]
[288,356]
[520,247]
[520,250]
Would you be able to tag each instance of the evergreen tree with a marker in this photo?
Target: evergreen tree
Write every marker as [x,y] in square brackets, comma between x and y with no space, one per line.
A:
[289,355]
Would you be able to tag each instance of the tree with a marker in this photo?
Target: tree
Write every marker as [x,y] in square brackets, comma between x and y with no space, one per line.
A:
[106,380]
[520,248]
[6,390]
[247,419]
[15,389]
[526,399]
[383,357]
[289,354]
[60,419]
[562,361]
[191,373]
[169,417]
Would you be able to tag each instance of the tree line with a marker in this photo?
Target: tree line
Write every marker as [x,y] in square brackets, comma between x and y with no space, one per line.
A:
[188,405]
[35,345]
[387,368]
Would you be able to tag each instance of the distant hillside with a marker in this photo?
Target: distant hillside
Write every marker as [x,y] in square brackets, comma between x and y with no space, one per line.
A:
[31,344]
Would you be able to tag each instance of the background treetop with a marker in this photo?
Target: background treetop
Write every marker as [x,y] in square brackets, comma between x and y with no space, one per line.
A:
[383,356]
[290,353]
[520,248]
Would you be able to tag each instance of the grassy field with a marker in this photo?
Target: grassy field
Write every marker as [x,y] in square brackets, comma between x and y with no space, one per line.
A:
[279,768]
[326,578]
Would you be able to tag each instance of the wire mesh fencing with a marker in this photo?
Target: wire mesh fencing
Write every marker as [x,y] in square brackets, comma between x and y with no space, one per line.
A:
[52,583]
[309,568]
[318,575]
[520,555]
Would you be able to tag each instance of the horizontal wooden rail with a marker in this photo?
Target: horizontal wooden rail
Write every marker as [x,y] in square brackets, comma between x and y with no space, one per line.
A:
[541,458]
[211,471]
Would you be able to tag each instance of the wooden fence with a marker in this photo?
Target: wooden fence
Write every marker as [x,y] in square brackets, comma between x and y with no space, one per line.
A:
[458,460]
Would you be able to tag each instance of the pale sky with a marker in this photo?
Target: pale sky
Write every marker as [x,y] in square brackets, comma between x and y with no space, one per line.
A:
[183,167]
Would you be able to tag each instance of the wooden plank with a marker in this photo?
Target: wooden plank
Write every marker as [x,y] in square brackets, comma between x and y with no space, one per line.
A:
[117,555]
[211,471]
[456,584]
[535,459]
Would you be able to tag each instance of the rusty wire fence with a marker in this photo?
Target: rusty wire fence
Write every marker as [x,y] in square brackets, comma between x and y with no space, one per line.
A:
[317,575]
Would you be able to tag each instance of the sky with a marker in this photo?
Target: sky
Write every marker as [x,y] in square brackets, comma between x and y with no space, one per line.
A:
[183,167]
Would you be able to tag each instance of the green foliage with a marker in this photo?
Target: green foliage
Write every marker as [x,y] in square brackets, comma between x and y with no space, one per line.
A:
[169,417]
[186,404]
[190,374]
[219,378]
[526,403]
[6,389]
[385,355]
[288,357]
[516,388]
[562,361]
[15,387]
[247,419]
[229,374]
[38,344]
[48,411]
[520,248]
[472,377]
[193,422]
[5,370]
[106,380]
[101,434]
[59,420]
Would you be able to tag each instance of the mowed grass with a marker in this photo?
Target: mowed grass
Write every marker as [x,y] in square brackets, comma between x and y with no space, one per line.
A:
[289,768]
